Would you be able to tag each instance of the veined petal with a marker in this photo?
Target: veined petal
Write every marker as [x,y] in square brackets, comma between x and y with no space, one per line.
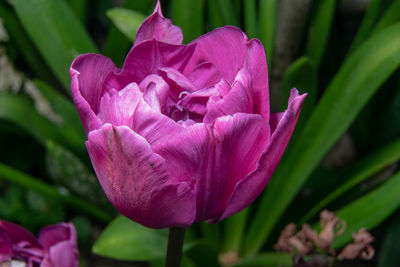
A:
[92,69]
[159,28]
[196,102]
[149,56]
[204,75]
[256,65]
[248,189]
[176,80]
[136,180]
[88,73]
[216,158]
[128,107]
[224,47]
[118,108]
[155,92]
[238,100]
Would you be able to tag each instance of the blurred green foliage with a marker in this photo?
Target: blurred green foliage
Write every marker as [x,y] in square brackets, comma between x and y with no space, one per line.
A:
[348,62]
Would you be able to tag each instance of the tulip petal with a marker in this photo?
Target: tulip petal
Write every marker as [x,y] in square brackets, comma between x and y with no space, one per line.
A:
[256,65]
[18,234]
[238,100]
[216,158]
[248,189]
[136,180]
[53,234]
[159,28]
[118,108]
[128,107]
[64,254]
[176,80]
[149,56]
[88,73]
[204,75]
[5,246]
[224,47]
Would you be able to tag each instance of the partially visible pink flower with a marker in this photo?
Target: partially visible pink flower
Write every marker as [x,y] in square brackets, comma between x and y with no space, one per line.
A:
[56,245]
[181,133]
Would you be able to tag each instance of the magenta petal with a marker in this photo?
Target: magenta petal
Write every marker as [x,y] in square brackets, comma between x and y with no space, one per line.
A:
[88,73]
[159,28]
[118,108]
[18,234]
[275,119]
[136,180]
[53,234]
[64,254]
[155,92]
[224,47]
[256,65]
[176,80]
[196,102]
[238,100]
[216,157]
[5,246]
[248,189]
[149,56]
[204,75]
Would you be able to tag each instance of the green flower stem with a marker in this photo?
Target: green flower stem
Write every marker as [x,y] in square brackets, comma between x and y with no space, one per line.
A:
[175,245]
[19,178]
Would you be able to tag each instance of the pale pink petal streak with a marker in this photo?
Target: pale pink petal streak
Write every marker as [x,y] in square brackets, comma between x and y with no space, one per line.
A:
[136,180]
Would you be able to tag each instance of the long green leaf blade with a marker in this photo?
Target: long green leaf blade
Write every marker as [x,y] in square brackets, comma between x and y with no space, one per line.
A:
[267,27]
[369,210]
[19,178]
[361,171]
[56,32]
[188,15]
[320,27]
[124,239]
[126,20]
[21,111]
[360,76]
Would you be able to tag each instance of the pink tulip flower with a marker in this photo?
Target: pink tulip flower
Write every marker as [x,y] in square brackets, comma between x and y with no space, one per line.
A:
[55,247]
[182,133]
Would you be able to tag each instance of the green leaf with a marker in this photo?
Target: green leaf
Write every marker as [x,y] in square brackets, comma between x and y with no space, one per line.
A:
[19,178]
[188,15]
[357,80]
[67,169]
[267,259]
[320,26]
[56,32]
[391,16]
[250,18]
[126,20]
[213,15]
[234,230]
[20,110]
[267,19]
[23,43]
[62,107]
[390,245]
[124,239]
[366,24]
[369,210]
[227,12]
[362,170]
[302,75]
